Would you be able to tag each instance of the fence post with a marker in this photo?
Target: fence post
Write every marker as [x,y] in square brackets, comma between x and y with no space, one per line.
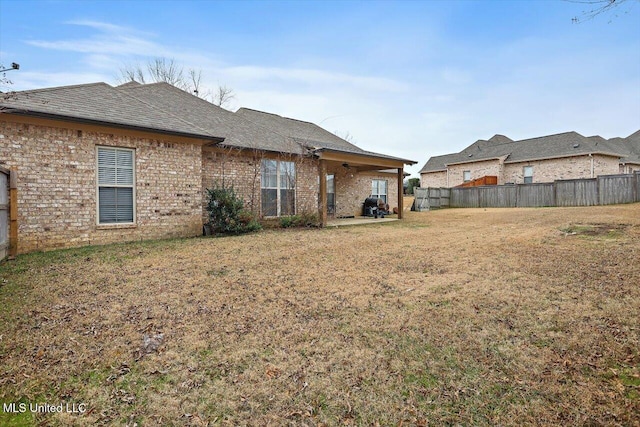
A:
[13,213]
[322,172]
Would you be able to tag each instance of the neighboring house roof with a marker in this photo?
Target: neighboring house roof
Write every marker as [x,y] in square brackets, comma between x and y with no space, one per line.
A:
[628,147]
[566,144]
[499,139]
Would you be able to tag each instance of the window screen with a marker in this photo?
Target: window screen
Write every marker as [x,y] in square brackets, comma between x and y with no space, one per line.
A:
[115,185]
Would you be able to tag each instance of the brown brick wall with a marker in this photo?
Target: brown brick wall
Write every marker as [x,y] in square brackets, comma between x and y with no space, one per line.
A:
[478,170]
[564,168]
[307,186]
[543,170]
[433,179]
[56,169]
[353,187]
[56,165]
[242,169]
[232,168]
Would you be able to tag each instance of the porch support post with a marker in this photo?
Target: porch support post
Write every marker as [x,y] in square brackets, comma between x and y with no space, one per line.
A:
[13,213]
[322,172]
[400,192]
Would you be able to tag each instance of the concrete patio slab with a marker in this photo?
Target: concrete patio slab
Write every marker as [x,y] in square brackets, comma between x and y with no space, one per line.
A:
[360,220]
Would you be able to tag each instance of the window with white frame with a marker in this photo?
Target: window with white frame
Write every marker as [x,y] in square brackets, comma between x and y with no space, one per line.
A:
[379,189]
[278,185]
[116,185]
[466,176]
[528,174]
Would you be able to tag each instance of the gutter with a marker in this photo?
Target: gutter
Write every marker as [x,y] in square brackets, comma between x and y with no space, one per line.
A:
[364,153]
[487,159]
[27,113]
[563,156]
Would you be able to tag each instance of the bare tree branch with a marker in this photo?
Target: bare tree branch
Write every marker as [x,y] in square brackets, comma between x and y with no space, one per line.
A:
[223,96]
[599,7]
[347,136]
[167,70]
[132,73]
[195,78]
[163,70]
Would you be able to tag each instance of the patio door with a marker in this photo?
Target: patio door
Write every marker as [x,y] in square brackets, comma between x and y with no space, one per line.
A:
[331,194]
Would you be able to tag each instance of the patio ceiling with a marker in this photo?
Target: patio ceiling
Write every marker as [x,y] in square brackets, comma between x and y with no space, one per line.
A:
[362,161]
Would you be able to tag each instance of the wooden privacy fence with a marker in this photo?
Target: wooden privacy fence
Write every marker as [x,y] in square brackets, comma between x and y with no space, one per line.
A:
[430,198]
[603,190]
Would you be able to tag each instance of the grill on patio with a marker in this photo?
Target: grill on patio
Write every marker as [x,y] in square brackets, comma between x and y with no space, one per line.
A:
[374,207]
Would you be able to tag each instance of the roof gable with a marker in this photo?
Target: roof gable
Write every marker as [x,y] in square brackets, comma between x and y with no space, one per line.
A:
[500,139]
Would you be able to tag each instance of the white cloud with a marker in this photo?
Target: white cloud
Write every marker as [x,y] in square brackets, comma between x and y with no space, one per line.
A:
[119,44]
[31,80]
[522,88]
[311,77]
[107,27]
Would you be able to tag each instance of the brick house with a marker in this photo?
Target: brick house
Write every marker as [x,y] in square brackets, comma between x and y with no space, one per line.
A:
[97,164]
[545,159]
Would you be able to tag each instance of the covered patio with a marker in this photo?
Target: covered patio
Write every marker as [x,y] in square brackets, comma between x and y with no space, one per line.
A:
[357,163]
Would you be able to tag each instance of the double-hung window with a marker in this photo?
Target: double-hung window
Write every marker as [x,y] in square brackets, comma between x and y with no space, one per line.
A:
[379,189]
[278,183]
[528,174]
[116,185]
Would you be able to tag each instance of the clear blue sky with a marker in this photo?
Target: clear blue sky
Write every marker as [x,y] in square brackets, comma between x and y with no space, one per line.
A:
[411,79]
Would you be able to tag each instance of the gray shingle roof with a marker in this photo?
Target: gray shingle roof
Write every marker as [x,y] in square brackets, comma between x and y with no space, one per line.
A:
[546,147]
[102,104]
[629,147]
[236,130]
[500,139]
[165,97]
[165,108]
[306,133]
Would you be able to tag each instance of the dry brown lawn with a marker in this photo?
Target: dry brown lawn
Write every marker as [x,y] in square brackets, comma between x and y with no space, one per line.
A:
[453,317]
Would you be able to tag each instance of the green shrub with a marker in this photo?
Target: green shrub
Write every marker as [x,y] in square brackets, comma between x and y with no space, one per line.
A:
[309,219]
[227,214]
[289,221]
[304,219]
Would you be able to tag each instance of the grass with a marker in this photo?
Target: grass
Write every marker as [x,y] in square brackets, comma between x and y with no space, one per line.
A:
[457,317]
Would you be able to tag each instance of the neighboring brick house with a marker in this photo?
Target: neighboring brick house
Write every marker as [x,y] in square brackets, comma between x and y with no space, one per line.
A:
[97,164]
[545,159]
